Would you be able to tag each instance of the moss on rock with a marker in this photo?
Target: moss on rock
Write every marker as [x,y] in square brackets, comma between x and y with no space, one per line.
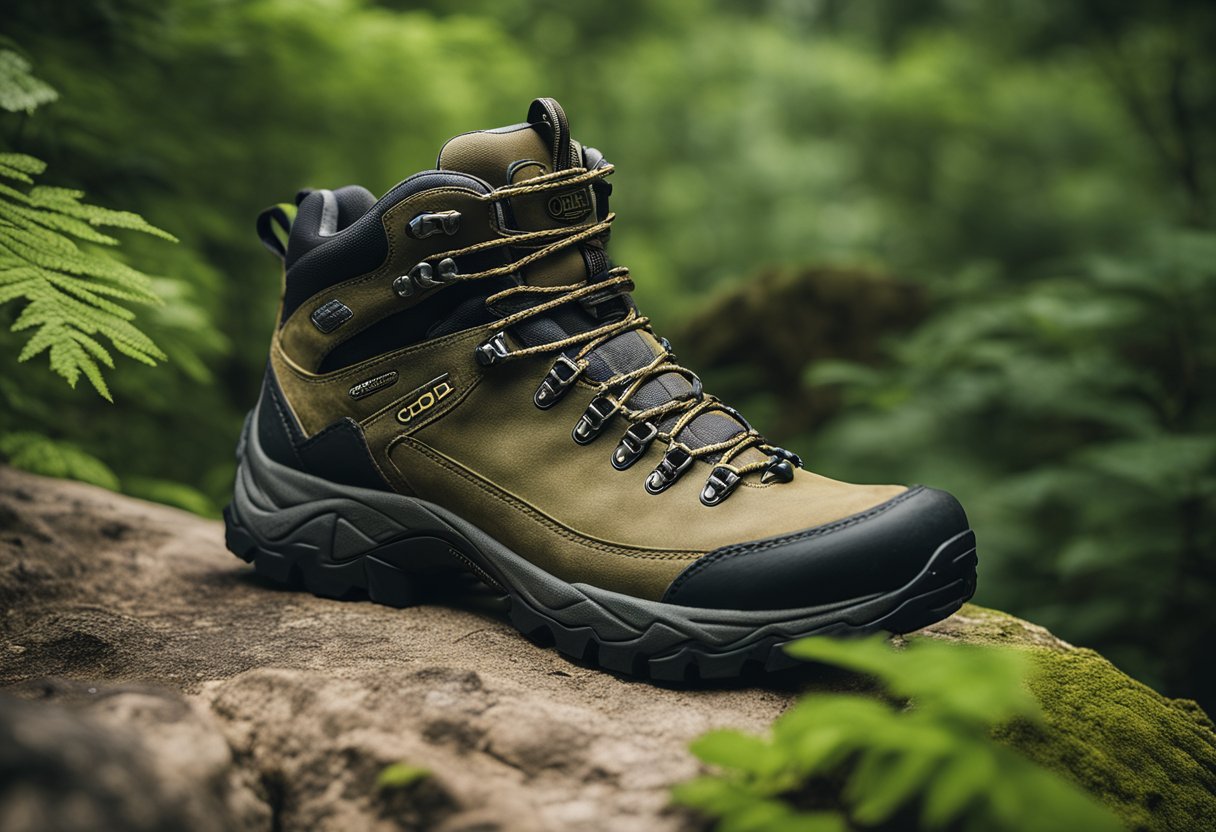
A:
[1150,758]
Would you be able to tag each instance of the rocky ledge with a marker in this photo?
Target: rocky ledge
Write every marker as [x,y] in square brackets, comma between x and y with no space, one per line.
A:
[151,681]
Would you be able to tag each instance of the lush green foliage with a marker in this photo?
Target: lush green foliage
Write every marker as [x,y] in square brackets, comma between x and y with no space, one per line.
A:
[1040,173]
[1078,408]
[921,757]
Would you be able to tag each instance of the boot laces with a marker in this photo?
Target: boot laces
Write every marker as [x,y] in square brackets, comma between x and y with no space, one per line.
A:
[614,393]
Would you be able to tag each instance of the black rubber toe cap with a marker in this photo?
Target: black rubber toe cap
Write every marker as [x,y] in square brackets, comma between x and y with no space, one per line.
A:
[877,551]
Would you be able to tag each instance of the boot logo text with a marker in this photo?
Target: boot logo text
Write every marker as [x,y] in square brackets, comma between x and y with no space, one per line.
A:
[569,206]
[432,393]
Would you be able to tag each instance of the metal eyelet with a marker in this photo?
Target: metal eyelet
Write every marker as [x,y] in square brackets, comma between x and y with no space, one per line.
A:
[403,286]
[779,470]
[633,445]
[434,222]
[560,378]
[423,276]
[447,270]
[722,481]
[674,463]
[493,350]
[671,356]
[593,420]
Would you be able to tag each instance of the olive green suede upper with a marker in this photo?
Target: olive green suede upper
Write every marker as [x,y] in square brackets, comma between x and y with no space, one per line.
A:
[443,428]
[487,453]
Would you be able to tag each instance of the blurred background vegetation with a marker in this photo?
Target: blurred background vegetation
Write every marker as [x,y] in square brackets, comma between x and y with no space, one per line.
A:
[947,241]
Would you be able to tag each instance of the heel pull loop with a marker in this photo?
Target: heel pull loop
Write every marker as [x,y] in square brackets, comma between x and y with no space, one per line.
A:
[547,111]
[271,222]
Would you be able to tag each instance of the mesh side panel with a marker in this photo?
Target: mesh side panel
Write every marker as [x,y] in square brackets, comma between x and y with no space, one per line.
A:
[623,353]
[659,390]
[353,202]
[709,429]
[539,331]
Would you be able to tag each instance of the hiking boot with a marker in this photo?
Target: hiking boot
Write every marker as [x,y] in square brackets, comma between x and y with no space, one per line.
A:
[460,380]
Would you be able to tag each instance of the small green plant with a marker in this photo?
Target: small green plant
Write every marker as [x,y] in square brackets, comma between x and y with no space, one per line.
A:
[922,756]
[400,775]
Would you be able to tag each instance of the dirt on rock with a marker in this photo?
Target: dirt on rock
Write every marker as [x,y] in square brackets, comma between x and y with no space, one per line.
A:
[152,681]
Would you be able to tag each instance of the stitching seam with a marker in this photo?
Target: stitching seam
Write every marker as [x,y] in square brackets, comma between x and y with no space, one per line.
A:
[538,516]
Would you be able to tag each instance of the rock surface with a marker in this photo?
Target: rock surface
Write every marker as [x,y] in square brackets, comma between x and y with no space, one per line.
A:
[153,682]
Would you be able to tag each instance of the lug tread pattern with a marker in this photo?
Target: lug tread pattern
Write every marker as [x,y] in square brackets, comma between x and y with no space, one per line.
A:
[659,651]
[347,543]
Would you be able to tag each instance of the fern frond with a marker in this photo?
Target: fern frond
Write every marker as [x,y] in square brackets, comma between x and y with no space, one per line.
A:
[22,163]
[92,294]
[77,297]
[65,201]
[13,173]
[94,348]
[11,193]
[20,216]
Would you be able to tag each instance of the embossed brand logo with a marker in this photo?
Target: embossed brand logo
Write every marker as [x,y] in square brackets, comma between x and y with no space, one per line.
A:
[570,205]
[366,388]
[434,392]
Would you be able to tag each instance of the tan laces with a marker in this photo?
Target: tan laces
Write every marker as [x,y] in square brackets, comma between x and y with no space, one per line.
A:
[613,393]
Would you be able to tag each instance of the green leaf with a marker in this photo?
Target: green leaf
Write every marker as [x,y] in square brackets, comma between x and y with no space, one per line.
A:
[962,780]
[774,816]
[734,749]
[992,692]
[885,782]
[1169,465]
[713,795]
[23,163]
[848,373]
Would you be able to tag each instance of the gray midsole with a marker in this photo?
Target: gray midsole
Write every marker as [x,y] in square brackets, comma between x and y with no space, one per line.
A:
[289,511]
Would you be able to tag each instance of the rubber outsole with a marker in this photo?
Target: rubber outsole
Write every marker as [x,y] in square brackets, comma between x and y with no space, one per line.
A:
[348,543]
